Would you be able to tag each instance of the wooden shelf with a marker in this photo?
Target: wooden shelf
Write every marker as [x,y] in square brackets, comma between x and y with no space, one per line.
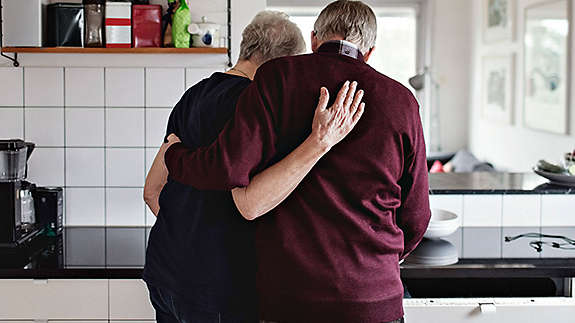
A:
[80,50]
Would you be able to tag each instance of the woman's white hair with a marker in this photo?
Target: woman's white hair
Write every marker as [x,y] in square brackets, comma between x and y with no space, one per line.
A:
[270,35]
[352,20]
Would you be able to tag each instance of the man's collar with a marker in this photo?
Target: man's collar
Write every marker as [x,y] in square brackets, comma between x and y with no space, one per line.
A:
[341,47]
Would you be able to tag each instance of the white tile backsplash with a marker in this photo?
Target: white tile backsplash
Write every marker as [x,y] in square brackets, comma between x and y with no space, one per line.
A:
[85,206]
[12,123]
[125,207]
[150,156]
[522,210]
[125,127]
[558,210]
[12,89]
[164,86]
[125,167]
[85,167]
[84,87]
[156,124]
[482,210]
[46,167]
[195,75]
[44,86]
[150,217]
[125,87]
[85,127]
[45,127]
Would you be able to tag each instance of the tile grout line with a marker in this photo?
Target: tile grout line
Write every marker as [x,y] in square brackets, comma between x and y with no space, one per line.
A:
[65,143]
[23,103]
[145,136]
[105,149]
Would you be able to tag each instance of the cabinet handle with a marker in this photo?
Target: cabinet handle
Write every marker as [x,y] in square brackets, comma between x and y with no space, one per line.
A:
[487,308]
[40,282]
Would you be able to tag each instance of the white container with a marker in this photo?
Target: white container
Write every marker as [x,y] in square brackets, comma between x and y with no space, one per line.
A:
[442,224]
[118,24]
[205,34]
[24,22]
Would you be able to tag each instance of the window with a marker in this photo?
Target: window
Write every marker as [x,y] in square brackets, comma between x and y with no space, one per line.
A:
[396,46]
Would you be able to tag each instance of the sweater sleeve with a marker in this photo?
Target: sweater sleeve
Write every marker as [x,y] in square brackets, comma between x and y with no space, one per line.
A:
[414,213]
[246,142]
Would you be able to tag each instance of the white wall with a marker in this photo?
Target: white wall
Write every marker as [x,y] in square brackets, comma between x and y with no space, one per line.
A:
[510,146]
[450,57]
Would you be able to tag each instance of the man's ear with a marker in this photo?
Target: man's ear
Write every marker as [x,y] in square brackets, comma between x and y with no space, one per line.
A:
[368,54]
[314,41]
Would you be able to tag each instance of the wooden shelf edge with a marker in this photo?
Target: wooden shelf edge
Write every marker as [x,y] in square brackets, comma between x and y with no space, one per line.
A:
[80,50]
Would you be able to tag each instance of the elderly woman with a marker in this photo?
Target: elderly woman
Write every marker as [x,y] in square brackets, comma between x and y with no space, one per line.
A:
[200,261]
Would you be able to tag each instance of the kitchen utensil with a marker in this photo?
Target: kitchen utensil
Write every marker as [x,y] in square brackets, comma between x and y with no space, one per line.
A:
[65,26]
[94,16]
[26,23]
[118,24]
[146,26]
[13,157]
[205,34]
[180,25]
[442,224]
[557,179]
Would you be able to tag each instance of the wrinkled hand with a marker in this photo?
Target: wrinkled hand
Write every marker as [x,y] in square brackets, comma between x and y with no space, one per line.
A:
[331,125]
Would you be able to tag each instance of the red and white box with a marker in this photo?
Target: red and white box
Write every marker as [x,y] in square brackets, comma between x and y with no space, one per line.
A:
[118,24]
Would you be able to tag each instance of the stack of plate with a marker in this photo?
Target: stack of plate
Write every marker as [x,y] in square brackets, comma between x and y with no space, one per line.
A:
[557,179]
[433,252]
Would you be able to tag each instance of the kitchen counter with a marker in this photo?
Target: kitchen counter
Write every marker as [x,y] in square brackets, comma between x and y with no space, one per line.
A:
[118,253]
[493,183]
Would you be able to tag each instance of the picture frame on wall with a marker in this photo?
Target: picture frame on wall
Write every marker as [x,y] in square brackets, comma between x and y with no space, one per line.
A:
[498,90]
[498,20]
[546,65]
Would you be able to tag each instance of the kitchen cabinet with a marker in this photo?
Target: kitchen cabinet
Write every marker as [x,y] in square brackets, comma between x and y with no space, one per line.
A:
[129,300]
[53,299]
[509,310]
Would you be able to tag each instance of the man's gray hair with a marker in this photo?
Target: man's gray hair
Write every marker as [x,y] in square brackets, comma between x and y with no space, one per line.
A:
[271,35]
[352,20]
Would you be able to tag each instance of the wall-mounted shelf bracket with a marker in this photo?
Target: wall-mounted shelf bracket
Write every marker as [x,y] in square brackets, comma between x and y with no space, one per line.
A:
[14,59]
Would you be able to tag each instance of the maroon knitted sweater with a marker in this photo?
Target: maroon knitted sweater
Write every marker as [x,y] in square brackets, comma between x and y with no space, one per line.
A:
[330,251]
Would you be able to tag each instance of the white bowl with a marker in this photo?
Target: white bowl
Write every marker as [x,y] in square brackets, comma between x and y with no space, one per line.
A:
[442,224]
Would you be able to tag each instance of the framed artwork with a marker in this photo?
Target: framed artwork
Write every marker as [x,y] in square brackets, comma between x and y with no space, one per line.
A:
[546,79]
[498,20]
[498,88]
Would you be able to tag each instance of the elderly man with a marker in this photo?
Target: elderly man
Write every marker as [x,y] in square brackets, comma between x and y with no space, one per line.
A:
[330,252]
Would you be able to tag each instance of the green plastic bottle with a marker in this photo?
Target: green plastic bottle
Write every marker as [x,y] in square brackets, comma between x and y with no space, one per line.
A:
[182,19]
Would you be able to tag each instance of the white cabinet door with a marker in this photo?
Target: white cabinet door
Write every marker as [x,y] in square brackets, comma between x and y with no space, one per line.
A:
[59,299]
[74,321]
[129,300]
[520,310]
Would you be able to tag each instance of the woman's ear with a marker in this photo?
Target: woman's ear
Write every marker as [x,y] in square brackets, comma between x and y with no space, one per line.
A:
[314,41]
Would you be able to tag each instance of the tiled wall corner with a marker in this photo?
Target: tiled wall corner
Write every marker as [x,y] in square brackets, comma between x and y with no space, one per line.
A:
[85,127]
[164,86]
[521,210]
[125,87]
[12,89]
[12,122]
[557,210]
[482,210]
[45,126]
[84,87]
[44,86]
